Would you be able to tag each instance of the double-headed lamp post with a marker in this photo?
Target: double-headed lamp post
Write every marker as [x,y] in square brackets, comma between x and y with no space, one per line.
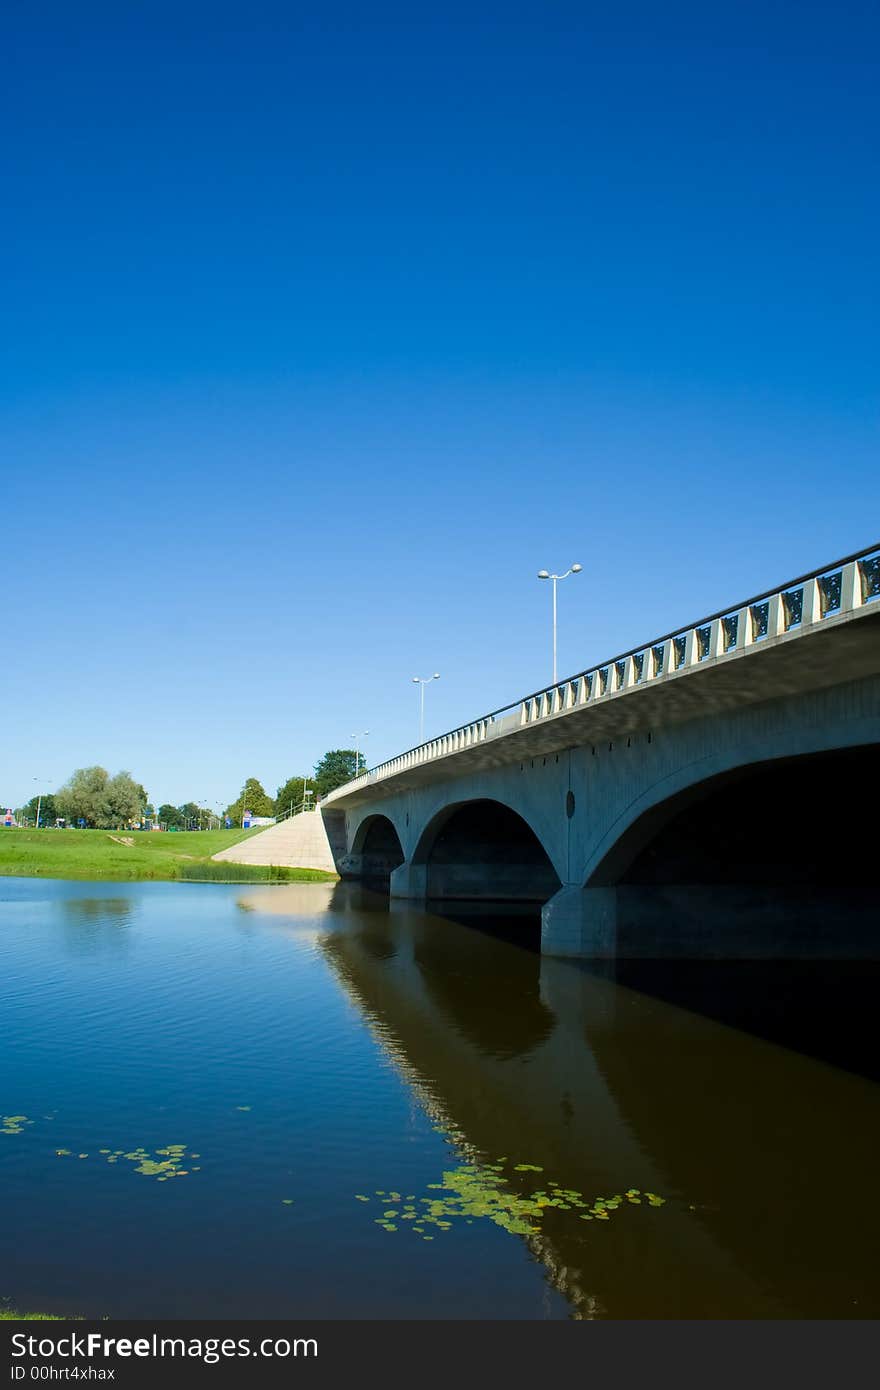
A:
[421,682]
[356,739]
[545,574]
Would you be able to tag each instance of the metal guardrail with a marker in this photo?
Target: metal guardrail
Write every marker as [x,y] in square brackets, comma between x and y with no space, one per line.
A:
[297,810]
[799,604]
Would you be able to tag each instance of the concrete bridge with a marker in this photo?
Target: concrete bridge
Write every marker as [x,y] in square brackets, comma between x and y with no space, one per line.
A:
[710,793]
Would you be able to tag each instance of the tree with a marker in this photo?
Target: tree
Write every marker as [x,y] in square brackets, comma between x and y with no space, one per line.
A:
[169,815]
[82,796]
[93,796]
[291,794]
[335,767]
[124,801]
[48,810]
[253,799]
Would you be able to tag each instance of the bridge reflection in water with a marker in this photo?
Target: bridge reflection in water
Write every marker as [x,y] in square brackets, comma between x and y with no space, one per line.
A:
[767,1157]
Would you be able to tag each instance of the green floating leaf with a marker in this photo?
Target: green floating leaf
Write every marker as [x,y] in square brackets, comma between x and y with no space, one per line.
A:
[472,1192]
[287,1201]
[13,1124]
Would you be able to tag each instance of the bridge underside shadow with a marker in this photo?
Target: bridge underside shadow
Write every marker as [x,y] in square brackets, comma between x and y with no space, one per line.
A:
[376,853]
[481,864]
[772,861]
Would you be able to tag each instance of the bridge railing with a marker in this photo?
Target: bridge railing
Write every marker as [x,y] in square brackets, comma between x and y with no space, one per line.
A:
[800,604]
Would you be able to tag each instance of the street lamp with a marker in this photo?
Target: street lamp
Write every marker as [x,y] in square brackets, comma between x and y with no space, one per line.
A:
[356,738]
[39,800]
[545,574]
[421,682]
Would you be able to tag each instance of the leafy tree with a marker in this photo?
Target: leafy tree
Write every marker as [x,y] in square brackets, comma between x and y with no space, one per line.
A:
[48,810]
[291,794]
[169,815]
[335,768]
[92,795]
[189,812]
[124,801]
[82,796]
[253,799]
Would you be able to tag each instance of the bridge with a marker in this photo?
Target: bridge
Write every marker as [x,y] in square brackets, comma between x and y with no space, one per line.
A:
[709,793]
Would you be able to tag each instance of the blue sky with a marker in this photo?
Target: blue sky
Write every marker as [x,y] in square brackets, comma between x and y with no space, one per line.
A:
[326,327]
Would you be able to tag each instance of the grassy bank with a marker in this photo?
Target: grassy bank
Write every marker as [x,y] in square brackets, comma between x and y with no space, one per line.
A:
[10,1315]
[101,854]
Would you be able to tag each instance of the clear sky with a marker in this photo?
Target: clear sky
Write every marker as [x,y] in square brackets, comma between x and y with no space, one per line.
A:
[326,327]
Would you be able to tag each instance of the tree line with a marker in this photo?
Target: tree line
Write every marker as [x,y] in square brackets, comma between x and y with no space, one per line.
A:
[336,767]
[92,797]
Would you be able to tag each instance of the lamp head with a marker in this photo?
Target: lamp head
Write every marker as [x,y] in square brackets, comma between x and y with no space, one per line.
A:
[436,676]
[576,569]
[543,574]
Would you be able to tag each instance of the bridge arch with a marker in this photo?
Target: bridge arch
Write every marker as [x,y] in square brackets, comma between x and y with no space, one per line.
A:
[770,859]
[704,782]
[377,849]
[483,849]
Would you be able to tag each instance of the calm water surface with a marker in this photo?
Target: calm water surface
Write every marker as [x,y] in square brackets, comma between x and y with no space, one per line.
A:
[309,1047]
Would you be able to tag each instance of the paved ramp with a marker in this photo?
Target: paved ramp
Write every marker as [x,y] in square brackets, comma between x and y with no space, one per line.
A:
[300,842]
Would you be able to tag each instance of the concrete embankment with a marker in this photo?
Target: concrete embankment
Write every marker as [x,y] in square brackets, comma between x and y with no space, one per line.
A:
[300,842]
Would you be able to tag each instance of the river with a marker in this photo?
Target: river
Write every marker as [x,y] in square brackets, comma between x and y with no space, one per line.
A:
[299,1101]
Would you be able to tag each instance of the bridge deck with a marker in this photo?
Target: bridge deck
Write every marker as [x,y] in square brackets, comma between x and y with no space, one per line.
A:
[815,631]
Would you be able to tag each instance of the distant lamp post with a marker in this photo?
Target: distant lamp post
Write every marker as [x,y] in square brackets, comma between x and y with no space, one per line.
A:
[545,574]
[421,682]
[356,739]
[39,800]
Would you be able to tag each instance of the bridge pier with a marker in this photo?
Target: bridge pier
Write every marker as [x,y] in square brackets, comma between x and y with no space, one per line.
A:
[580,921]
[410,881]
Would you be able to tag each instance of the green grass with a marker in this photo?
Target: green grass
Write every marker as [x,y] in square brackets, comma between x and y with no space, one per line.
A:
[95,854]
[10,1315]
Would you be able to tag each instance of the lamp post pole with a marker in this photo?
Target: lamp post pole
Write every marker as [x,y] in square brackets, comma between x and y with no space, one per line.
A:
[39,800]
[545,574]
[421,682]
[356,738]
